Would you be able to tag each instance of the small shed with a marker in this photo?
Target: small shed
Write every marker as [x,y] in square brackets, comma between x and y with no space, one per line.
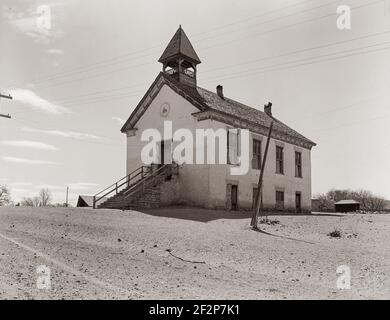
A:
[87,201]
[347,206]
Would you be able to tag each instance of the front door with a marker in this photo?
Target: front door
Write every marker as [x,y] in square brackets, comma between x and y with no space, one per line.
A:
[298,203]
[165,152]
[234,197]
[162,153]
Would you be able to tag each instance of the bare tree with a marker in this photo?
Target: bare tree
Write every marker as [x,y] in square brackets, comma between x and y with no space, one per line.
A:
[31,202]
[27,202]
[44,197]
[5,197]
[59,205]
[326,204]
[368,201]
[36,201]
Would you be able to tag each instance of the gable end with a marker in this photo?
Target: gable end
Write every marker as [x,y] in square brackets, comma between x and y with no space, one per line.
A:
[152,92]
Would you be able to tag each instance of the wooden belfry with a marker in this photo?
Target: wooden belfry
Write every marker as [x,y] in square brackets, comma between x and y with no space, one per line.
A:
[179,59]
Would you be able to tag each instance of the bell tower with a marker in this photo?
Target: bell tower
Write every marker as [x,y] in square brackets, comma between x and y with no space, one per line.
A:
[179,59]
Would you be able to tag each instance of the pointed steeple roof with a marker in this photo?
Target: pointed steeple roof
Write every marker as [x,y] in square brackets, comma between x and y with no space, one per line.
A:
[179,45]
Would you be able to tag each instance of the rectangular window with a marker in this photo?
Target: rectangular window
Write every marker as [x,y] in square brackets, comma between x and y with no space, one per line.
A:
[256,159]
[298,164]
[279,200]
[232,146]
[279,160]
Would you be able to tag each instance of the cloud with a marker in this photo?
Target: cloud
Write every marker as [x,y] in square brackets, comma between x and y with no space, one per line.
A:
[64,134]
[19,190]
[55,51]
[72,186]
[119,120]
[29,161]
[50,187]
[83,185]
[31,99]
[36,21]
[29,144]
[21,184]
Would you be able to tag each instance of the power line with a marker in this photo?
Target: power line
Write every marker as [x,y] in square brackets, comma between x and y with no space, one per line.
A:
[265,70]
[122,56]
[134,94]
[91,98]
[53,77]
[338,109]
[338,57]
[220,44]
[290,25]
[254,17]
[350,124]
[282,17]
[286,54]
[300,51]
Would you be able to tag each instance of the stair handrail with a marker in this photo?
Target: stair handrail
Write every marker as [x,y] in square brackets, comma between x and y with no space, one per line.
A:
[144,181]
[143,170]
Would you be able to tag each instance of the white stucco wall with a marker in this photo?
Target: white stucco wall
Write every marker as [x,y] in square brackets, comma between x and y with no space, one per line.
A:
[205,185]
[220,176]
[193,179]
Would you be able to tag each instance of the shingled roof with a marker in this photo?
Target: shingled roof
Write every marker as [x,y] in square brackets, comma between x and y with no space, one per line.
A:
[87,201]
[208,101]
[179,45]
[244,112]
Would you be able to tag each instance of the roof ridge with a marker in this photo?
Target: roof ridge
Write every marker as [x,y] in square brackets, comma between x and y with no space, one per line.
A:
[235,101]
[206,100]
[259,111]
[180,35]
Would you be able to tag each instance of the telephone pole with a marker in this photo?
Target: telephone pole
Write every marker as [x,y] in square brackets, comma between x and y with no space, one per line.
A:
[259,196]
[6,97]
[67,194]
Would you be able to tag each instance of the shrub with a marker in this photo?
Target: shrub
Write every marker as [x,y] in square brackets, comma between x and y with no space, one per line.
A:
[335,234]
[5,198]
[269,222]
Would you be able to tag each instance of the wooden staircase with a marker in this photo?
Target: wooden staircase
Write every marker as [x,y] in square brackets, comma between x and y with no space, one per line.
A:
[138,189]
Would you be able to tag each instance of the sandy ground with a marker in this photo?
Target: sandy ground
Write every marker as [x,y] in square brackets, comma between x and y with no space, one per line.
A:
[110,254]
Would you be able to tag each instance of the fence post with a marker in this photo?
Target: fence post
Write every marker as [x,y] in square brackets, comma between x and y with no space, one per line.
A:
[94,202]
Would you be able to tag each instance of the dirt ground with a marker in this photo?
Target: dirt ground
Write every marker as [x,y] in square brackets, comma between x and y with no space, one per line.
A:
[180,253]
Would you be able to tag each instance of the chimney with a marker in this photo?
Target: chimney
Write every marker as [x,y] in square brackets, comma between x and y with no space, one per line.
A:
[220,91]
[268,109]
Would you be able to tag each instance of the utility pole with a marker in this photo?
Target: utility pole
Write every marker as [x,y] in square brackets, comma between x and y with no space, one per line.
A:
[6,97]
[259,196]
[67,193]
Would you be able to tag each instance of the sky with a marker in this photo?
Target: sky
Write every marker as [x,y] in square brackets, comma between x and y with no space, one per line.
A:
[76,70]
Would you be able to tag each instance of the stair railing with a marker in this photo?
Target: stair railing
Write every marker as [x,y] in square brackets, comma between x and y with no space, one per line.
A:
[127,181]
[153,178]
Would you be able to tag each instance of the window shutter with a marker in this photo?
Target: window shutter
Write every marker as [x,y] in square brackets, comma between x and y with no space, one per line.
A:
[232,147]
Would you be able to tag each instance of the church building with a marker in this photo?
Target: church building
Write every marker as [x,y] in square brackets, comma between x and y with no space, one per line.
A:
[174,97]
